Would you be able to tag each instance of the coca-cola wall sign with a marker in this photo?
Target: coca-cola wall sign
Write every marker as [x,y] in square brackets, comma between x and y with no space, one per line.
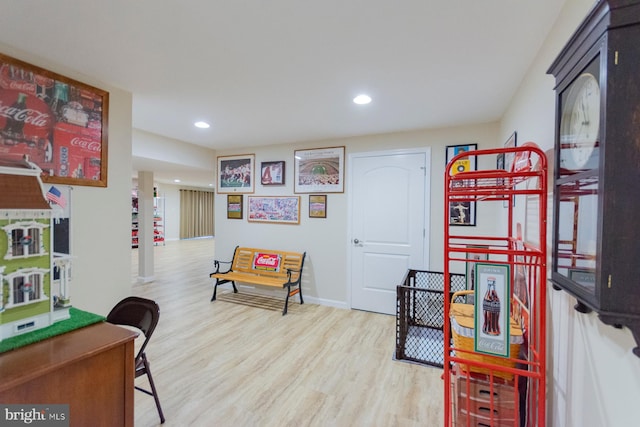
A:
[59,123]
[492,294]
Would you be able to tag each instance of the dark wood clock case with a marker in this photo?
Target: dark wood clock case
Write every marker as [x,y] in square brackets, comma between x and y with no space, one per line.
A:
[604,278]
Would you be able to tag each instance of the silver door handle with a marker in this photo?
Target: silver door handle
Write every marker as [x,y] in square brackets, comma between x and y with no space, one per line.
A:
[356,241]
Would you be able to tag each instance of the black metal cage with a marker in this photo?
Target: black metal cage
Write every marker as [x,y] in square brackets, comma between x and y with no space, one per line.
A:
[420,316]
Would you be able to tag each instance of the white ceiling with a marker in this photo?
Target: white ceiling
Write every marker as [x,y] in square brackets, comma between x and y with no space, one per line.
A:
[278,71]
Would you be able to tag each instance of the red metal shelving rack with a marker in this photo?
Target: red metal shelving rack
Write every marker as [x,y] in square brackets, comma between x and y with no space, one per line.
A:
[498,391]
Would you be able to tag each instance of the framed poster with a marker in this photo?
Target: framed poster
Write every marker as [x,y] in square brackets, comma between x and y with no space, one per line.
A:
[234,206]
[509,157]
[319,170]
[492,308]
[272,173]
[274,209]
[317,206]
[60,123]
[235,174]
[463,164]
[462,213]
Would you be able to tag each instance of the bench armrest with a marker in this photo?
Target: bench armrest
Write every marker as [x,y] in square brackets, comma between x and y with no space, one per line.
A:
[289,273]
[216,265]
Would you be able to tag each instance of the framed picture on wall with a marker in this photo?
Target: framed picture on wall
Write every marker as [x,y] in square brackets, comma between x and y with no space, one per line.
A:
[234,206]
[462,213]
[235,174]
[317,206]
[274,209]
[463,164]
[491,309]
[60,123]
[319,170]
[509,157]
[272,173]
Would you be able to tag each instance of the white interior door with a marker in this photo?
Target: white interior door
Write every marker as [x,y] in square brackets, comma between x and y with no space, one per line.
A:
[389,224]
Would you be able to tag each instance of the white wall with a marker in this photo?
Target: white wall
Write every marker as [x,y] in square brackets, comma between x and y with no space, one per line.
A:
[326,240]
[100,217]
[158,147]
[592,374]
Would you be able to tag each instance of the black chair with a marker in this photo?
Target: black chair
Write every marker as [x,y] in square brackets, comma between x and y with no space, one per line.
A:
[142,314]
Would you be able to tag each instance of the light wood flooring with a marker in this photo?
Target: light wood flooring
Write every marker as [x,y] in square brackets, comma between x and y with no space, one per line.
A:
[223,364]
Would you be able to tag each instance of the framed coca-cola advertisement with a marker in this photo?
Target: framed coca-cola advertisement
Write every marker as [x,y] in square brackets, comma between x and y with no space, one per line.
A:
[58,123]
[492,329]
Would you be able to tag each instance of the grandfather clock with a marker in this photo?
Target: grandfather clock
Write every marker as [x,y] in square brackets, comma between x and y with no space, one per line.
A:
[596,218]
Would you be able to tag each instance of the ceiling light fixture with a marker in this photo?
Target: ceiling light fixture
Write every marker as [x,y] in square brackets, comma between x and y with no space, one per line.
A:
[202,125]
[362,99]
[176,180]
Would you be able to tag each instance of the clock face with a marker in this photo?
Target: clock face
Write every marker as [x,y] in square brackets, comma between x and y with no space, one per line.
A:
[580,124]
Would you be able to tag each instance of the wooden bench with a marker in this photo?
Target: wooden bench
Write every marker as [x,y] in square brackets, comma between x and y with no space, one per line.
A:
[264,267]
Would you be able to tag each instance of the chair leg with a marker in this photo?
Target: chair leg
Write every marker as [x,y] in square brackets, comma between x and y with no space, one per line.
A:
[153,388]
[300,292]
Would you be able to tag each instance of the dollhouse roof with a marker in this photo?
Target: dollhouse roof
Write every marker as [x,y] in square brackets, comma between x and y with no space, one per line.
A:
[20,187]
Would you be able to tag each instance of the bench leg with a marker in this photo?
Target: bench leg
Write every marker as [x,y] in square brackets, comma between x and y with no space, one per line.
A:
[289,293]
[220,282]
[215,290]
[286,302]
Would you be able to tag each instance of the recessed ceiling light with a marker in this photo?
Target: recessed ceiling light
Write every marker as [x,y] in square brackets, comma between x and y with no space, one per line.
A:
[362,99]
[202,125]
[176,180]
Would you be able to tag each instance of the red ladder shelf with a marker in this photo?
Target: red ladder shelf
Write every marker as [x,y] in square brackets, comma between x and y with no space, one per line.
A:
[492,377]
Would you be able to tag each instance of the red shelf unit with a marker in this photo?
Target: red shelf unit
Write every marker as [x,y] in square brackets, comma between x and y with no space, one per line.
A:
[482,389]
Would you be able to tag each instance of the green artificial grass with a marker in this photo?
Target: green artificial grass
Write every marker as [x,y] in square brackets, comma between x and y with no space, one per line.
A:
[79,319]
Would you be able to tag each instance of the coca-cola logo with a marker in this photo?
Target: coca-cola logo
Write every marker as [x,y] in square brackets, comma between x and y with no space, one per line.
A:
[269,262]
[21,86]
[30,111]
[87,144]
[27,115]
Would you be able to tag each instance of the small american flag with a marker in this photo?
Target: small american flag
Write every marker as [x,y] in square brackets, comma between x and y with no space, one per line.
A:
[54,195]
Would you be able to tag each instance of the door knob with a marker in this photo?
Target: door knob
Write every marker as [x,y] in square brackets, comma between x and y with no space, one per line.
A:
[356,241]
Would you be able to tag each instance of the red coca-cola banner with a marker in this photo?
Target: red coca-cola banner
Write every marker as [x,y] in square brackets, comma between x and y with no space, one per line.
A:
[59,123]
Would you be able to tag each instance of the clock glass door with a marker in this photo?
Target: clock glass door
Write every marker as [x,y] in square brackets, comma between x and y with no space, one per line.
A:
[577,185]
[580,121]
[577,233]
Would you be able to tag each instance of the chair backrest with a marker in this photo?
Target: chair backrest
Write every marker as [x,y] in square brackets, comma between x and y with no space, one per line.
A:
[137,312]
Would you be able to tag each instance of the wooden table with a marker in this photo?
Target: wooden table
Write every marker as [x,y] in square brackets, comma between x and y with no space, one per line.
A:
[91,369]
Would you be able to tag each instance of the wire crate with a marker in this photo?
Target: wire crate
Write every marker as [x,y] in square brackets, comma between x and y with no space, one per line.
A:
[420,316]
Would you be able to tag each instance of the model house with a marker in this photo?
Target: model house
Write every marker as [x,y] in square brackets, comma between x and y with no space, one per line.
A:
[25,241]
[592,372]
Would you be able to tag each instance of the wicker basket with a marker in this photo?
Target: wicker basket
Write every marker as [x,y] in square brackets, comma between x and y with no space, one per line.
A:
[462,326]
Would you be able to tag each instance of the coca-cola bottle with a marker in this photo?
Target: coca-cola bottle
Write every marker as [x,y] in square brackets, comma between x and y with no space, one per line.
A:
[491,309]
[60,99]
[14,125]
